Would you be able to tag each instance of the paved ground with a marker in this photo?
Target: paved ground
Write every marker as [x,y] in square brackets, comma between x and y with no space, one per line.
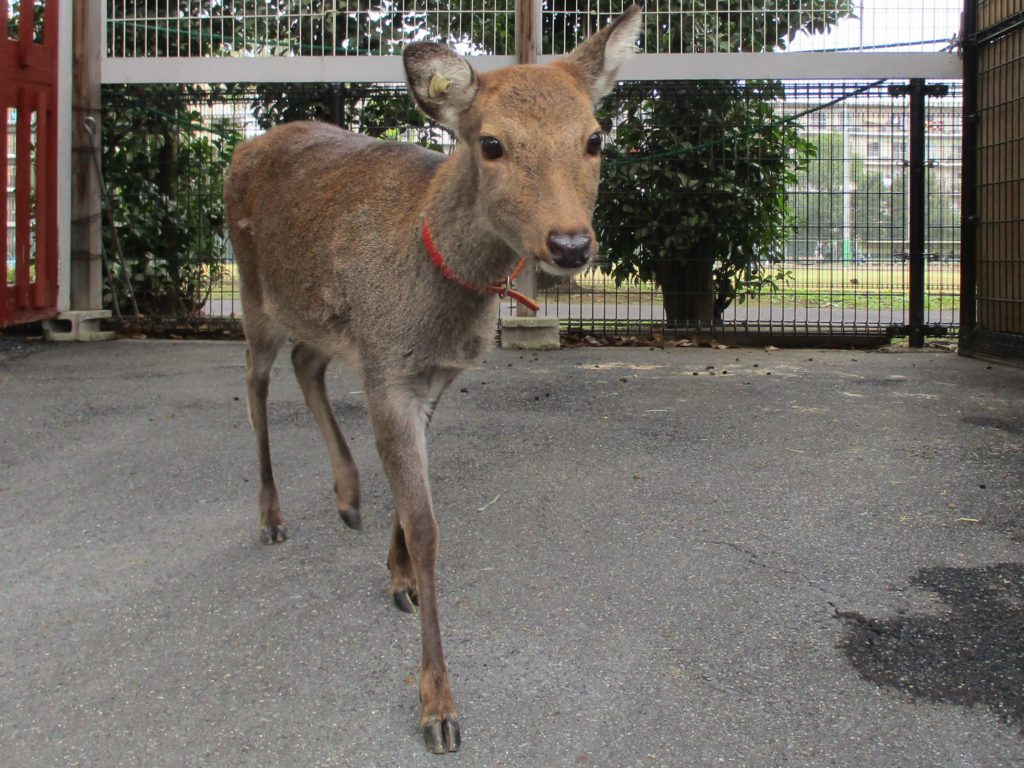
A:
[689,557]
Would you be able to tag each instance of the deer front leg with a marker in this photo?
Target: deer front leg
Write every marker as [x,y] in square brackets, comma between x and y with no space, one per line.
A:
[399,423]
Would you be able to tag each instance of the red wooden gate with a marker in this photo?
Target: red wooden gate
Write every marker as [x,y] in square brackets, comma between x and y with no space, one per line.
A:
[28,145]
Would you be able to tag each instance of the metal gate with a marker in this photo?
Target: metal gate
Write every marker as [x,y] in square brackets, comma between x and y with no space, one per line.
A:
[28,144]
[992,324]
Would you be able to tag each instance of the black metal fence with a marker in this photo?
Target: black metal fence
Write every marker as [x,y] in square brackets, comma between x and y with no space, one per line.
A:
[835,265]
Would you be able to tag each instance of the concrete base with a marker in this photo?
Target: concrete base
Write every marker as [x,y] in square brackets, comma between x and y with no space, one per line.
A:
[78,325]
[529,333]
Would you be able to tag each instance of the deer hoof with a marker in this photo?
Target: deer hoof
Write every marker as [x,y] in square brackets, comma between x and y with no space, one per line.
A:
[405,599]
[442,736]
[350,516]
[273,534]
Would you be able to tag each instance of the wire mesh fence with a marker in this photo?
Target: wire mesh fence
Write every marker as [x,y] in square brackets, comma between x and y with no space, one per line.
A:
[307,28]
[838,266]
[721,27]
[162,28]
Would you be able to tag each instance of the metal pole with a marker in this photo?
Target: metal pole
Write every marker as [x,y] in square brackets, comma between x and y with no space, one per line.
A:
[917,211]
[918,91]
[969,176]
[527,32]
[338,92]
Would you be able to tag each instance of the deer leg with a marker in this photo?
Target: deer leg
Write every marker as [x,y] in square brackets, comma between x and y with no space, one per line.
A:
[403,580]
[259,360]
[399,423]
[310,365]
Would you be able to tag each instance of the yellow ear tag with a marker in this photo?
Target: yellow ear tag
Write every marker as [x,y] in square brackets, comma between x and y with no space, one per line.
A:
[439,85]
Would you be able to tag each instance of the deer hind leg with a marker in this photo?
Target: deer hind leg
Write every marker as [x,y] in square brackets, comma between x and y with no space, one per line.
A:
[260,355]
[403,580]
[399,423]
[310,365]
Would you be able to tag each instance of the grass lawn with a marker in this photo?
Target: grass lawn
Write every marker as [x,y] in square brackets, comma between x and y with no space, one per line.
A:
[874,286]
[844,286]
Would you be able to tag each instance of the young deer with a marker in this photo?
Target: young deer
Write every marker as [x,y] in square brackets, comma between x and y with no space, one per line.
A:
[386,255]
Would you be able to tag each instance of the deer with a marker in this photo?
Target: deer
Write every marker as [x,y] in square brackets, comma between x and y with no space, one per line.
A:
[392,258]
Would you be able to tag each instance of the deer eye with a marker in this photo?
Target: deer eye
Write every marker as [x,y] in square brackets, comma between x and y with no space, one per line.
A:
[491,147]
[594,144]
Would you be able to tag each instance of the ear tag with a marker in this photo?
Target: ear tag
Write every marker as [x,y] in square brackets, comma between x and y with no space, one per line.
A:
[439,85]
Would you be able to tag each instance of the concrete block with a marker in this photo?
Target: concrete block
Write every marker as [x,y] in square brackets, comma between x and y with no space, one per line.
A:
[529,333]
[78,325]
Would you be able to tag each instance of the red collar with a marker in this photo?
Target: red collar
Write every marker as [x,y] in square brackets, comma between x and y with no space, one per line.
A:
[502,288]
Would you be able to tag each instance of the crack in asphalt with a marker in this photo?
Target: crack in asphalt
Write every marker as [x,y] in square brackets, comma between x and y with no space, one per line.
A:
[753,558]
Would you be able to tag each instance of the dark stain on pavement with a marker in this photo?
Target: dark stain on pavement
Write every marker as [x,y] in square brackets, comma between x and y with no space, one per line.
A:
[995,423]
[971,653]
[14,348]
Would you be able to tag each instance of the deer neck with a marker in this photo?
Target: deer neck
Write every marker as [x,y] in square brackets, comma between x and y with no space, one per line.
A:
[459,226]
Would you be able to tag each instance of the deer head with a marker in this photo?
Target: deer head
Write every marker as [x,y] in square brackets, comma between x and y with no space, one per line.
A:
[530,139]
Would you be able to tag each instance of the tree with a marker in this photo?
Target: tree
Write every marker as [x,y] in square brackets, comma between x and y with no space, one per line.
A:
[694,196]
[14,17]
[345,28]
[164,172]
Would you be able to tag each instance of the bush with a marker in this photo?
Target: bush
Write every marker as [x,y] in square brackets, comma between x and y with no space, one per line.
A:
[165,173]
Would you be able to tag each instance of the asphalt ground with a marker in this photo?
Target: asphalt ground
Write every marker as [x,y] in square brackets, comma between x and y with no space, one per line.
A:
[683,557]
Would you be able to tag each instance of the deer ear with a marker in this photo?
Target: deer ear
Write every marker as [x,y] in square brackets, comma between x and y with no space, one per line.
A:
[441,82]
[597,60]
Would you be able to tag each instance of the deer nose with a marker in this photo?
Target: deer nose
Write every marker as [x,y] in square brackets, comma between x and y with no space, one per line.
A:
[570,251]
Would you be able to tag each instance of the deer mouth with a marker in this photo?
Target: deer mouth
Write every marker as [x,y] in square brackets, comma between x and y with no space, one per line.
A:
[567,253]
[552,268]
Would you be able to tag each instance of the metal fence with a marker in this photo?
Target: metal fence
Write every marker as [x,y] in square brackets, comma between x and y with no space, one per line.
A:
[844,267]
[187,28]
[841,272]
[326,28]
[994,174]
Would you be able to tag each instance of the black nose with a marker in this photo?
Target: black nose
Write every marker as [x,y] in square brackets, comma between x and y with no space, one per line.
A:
[570,251]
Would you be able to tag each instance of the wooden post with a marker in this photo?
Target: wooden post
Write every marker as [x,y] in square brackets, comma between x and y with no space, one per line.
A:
[527,32]
[86,211]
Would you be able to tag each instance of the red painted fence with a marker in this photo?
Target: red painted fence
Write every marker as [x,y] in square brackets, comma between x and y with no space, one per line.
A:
[28,144]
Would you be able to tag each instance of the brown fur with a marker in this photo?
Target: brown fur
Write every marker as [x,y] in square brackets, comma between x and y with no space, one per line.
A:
[325,226]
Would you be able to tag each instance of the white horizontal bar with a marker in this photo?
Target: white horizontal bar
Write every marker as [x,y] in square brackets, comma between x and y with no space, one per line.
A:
[270,69]
[810,65]
[652,66]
